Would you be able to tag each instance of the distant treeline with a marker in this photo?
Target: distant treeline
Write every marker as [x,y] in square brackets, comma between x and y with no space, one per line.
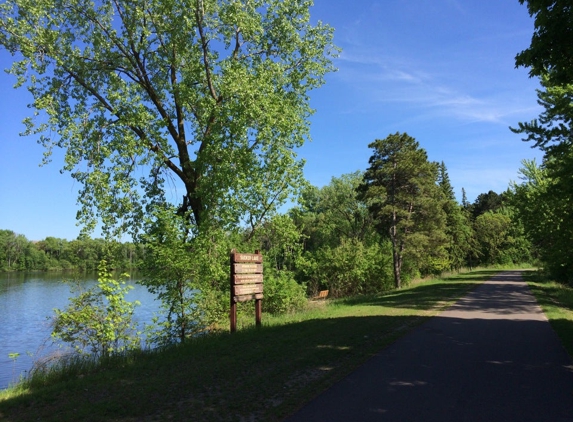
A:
[17,253]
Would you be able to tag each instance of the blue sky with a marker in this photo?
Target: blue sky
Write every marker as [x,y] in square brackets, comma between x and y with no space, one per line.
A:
[441,70]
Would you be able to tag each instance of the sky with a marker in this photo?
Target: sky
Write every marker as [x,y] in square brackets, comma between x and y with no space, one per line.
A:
[442,71]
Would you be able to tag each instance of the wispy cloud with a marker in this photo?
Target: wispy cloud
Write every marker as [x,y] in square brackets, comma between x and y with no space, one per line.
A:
[435,91]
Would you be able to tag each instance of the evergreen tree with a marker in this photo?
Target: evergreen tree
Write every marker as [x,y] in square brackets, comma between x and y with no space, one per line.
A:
[400,187]
[445,184]
[465,202]
[458,225]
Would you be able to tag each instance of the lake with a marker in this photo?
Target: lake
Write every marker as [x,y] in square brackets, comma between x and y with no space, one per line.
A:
[27,301]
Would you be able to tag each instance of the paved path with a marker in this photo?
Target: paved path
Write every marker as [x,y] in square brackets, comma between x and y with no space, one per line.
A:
[491,357]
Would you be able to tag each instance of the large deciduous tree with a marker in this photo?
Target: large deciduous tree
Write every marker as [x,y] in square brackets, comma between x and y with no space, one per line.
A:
[401,189]
[174,115]
[206,96]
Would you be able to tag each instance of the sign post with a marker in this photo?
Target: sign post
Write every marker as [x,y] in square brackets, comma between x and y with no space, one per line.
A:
[246,283]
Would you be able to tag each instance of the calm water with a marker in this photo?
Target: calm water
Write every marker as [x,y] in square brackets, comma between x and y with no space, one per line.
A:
[26,304]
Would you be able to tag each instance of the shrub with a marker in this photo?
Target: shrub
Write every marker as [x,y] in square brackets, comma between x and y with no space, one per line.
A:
[98,321]
[351,268]
[282,294]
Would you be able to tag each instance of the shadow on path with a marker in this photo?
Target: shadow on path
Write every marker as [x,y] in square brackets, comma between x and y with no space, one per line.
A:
[491,357]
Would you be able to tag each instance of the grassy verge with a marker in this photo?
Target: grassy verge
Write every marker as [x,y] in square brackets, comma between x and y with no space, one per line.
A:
[556,300]
[255,374]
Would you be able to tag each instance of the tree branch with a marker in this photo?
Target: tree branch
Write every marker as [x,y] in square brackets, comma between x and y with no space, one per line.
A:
[204,45]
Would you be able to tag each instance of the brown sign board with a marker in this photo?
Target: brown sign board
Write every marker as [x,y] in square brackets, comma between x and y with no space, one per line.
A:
[247,278]
[247,289]
[246,283]
[247,257]
[248,268]
[245,298]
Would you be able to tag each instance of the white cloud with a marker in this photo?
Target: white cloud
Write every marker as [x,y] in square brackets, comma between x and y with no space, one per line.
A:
[382,79]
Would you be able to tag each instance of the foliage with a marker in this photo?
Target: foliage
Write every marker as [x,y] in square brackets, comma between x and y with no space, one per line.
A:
[550,50]
[280,241]
[543,203]
[444,183]
[342,251]
[554,124]
[462,245]
[145,100]
[334,212]
[492,232]
[142,95]
[187,273]
[487,202]
[19,254]
[98,320]
[548,218]
[282,293]
[12,250]
[351,268]
[400,188]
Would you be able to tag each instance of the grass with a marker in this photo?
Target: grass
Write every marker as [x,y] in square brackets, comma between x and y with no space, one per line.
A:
[254,374]
[556,300]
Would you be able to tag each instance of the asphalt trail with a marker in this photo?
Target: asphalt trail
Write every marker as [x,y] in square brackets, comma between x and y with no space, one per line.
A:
[493,356]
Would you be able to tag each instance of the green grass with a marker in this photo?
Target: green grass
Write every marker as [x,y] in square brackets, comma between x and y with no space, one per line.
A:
[254,374]
[556,300]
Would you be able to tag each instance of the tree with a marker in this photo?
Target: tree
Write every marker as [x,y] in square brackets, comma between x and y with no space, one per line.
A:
[492,231]
[555,123]
[485,202]
[334,212]
[465,202]
[342,251]
[550,57]
[551,49]
[543,204]
[153,98]
[458,228]
[12,249]
[400,187]
[445,183]
[207,95]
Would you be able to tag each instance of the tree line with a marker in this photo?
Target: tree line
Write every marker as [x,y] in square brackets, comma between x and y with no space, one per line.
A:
[17,253]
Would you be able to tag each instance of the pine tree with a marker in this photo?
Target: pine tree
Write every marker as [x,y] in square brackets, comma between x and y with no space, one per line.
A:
[400,187]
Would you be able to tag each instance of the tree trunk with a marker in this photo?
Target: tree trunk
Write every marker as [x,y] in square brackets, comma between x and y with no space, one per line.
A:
[397,258]
[396,253]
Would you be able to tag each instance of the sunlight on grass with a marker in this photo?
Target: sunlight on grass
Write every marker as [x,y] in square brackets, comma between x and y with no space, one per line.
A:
[556,300]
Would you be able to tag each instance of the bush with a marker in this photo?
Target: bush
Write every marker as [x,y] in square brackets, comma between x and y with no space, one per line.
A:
[99,320]
[351,268]
[282,294]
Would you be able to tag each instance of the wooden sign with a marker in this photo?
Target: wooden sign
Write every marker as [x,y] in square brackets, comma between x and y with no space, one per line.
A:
[248,257]
[248,268]
[247,289]
[247,278]
[246,283]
